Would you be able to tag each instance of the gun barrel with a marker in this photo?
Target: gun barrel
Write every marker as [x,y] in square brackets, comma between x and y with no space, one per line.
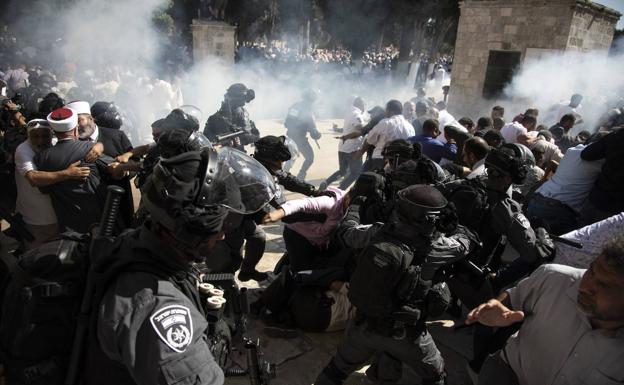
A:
[222,138]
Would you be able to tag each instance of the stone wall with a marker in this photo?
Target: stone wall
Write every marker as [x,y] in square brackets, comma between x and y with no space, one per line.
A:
[530,27]
[214,39]
[592,27]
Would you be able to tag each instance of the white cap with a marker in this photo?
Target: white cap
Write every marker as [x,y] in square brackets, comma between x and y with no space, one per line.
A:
[63,119]
[81,107]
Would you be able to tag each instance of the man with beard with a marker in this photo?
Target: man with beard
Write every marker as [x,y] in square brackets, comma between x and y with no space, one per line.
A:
[573,331]
[35,207]
[77,203]
[116,145]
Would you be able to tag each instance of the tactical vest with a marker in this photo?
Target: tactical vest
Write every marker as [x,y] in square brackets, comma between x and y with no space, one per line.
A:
[387,273]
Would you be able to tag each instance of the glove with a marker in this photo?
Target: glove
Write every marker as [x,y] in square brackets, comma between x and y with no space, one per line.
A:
[545,245]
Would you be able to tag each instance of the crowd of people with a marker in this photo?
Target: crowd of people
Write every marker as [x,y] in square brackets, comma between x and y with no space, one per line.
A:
[426,217]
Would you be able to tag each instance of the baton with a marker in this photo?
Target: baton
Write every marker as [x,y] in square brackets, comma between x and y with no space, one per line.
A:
[565,241]
[317,144]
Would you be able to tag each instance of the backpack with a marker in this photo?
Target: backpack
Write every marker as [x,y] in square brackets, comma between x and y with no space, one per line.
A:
[39,307]
[470,199]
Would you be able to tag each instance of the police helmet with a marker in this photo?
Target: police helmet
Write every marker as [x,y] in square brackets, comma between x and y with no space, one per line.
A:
[106,114]
[49,103]
[191,193]
[510,159]
[310,95]
[177,119]
[419,204]
[398,151]
[413,172]
[239,91]
[191,110]
[272,148]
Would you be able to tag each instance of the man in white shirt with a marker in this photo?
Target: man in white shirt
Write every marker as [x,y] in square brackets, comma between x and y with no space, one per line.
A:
[559,200]
[571,108]
[573,329]
[474,154]
[349,165]
[35,207]
[519,132]
[393,127]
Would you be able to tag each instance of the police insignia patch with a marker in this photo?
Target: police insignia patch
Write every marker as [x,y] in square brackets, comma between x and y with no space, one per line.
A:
[174,326]
[524,222]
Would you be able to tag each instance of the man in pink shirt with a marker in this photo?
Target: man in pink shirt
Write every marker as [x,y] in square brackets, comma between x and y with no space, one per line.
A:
[308,240]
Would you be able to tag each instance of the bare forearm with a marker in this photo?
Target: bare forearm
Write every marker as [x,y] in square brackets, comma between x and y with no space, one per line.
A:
[46,178]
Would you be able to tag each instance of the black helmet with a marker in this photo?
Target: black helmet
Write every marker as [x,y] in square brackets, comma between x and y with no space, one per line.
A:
[49,103]
[191,193]
[510,159]
[414,172]
[106,114]
[310,95]
[178,119]
[272,148]
[177,141]
[398,151]
[420,204]
[238,91]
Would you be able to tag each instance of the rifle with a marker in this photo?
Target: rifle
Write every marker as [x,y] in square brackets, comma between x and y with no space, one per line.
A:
[259,371]
[97,248]
[221,139]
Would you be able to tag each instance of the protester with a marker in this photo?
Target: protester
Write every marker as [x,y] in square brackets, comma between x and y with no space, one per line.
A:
[572,317]
[432,147]
[393,127]
[348,162]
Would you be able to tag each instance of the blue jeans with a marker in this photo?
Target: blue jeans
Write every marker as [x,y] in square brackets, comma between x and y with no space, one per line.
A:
[348,168]
[558,218]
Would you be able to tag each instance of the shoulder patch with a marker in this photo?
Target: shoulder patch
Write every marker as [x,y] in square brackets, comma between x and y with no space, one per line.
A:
[524,222]
[174,326]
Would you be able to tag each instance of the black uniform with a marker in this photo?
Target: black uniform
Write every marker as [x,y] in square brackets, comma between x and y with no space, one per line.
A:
[77,203]
[229,120]
[389,288]
[116,143]
[150,327]
[299,122]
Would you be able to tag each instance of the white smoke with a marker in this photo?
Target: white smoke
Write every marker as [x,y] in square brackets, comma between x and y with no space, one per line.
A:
[552,79]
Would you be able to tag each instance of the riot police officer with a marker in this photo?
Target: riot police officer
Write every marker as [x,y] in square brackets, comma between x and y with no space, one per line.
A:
[272,151]
[485,206]
[299,122]
[150,326]
[233,118]
[389,288]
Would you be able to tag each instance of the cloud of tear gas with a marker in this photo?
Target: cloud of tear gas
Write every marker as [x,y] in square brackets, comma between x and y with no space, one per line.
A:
[277,90]
[552,79]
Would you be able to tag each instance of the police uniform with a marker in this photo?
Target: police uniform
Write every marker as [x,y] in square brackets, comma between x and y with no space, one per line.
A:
[150,327]
[299,122]
[388,288]
[224,122]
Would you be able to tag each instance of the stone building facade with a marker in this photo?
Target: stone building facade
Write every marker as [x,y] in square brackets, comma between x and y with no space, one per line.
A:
[495,37]
[214,39]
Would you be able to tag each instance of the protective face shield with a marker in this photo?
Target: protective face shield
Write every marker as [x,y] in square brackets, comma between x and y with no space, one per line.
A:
[106,114]
[235,180]
[198,141]
[420,206]
[507,160]
[292,148]
[193,111]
